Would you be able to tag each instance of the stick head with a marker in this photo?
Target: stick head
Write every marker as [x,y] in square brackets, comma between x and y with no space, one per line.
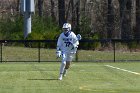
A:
[79,37]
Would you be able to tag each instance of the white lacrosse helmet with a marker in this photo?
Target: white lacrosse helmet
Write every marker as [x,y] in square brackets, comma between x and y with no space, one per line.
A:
[67,26]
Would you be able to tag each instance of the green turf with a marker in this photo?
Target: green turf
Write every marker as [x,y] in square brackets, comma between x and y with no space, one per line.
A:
[11,53]
[81,78]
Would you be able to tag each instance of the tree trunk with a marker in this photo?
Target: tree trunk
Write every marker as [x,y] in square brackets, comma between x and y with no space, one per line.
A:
[137,33]
[52,11]
[40,7]
[125,17]
[116,10]
[78,17]
[18,6]
[61,7]
[110,19]
[133,17]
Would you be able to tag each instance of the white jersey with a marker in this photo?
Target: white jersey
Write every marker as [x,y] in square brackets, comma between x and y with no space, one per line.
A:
[67,44]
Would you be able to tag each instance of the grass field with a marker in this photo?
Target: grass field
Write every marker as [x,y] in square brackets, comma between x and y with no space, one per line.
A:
[82,78]
[31,54]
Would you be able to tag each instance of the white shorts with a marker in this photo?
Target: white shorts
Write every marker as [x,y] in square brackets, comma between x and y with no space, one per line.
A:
[67,57]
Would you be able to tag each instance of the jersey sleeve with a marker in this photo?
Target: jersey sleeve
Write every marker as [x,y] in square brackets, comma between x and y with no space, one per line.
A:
[59,43]
[75,41]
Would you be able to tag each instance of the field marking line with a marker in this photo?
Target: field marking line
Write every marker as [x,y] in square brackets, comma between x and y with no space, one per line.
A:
[123,69]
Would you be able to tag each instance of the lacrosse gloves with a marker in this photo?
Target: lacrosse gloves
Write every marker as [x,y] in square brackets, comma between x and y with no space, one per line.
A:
[58,54]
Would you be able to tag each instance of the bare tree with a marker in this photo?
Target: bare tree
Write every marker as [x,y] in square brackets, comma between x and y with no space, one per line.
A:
[18,5]
[72,12]
[40,7]
[125,17]
[52,10]
[137,33]
[61,7]
[116,9]
[110,19]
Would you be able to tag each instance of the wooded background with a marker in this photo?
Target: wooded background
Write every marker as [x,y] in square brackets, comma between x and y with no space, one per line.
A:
[94,19]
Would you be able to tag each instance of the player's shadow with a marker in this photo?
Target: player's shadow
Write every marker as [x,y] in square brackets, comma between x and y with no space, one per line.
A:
[43,79]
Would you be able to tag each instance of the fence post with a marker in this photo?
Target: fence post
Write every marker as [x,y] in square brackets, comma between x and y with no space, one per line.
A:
[39,52]
[114,50]
[76,56]
[1,52]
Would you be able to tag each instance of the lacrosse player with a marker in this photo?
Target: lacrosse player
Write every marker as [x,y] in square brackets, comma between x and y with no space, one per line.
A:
[67,45]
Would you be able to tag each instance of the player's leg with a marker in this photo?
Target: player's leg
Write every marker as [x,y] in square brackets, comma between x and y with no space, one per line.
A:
[62,67]
[66,68]
[68,62]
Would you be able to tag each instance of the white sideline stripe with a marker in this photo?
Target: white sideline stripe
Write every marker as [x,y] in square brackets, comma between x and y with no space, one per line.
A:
[123,69]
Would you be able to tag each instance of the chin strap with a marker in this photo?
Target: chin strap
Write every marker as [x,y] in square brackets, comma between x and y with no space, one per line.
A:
[67,33]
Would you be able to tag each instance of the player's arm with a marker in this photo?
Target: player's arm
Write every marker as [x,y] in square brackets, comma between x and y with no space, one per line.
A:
[75,41]
[58,48]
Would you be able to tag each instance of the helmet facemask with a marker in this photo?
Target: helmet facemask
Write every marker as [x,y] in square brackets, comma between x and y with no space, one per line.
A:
[66,28]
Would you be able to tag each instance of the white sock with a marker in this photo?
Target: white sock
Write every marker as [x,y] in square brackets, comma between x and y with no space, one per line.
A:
[60,77]
[62,67]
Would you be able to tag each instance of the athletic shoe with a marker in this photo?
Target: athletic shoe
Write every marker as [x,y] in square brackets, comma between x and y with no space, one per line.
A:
[60,78]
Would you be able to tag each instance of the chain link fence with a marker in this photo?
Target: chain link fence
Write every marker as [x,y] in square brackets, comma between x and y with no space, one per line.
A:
[106,50]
